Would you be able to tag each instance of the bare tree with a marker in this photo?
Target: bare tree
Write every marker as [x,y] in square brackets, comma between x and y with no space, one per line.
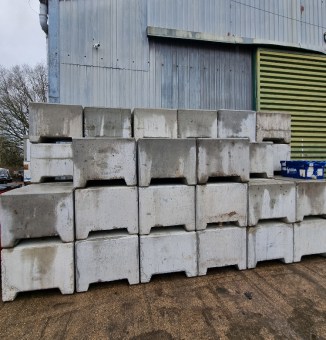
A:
[19,86]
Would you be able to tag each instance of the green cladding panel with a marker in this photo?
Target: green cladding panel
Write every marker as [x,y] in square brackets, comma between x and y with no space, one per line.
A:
[296,83]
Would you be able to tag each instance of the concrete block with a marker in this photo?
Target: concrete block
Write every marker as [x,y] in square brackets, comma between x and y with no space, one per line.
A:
[166,205]
[273,127]
[107,122]
[197,123]
[281,152]
[109,257]
[37,210]
[220,247]
[35,265]
[166,158]
[155,123]
[221,202]
[261,159]
[222,158]
[309,238]
[106,208]
[271,199]
[236,124]
[167,252]
[104,159]
[55,121]
[270,240]
[51,160]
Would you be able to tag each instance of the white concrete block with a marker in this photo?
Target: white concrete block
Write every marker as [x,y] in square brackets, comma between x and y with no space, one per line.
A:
[37,210]
[104,159]
[309,237]
[107,122]
[221,202]
[281,152]
[166,158]
[271,199]
[155,123]
[236,124]
[54,121]
[35,265]
[51,160]
[222,158]
[197,123]
[109,257]
[261,159]
[167,252]
[220,247]
[273,127]
[270,240]
[106,208]
[166,205]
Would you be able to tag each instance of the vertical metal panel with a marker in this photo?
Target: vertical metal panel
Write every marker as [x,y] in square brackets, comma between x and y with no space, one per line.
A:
[295,83]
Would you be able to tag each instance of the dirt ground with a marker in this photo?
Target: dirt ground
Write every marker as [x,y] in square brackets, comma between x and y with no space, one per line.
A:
[273,301]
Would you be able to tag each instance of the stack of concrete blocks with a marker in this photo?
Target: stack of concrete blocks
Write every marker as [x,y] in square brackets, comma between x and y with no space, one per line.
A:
[271,202]
[37,221]
[106,211]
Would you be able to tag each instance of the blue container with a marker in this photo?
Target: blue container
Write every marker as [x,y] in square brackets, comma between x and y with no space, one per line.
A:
[303,169]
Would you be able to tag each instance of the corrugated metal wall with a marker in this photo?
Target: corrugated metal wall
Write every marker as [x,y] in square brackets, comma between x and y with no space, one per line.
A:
[295,83]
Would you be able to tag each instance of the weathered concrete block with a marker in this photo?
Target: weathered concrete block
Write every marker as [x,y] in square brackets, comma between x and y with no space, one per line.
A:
[166,158]
[309,237]
[222,158]
[197,123]
[109,257]
[104,159]
[166,205]
[236,124]
[167,252]
[34,265]
[270,240]
[220,247]
[281,152]
[221,202]
[261,159]
[37,210]
[55,121]
[107,122]
[273,126]
[51,160]
[155,123]
[106,208]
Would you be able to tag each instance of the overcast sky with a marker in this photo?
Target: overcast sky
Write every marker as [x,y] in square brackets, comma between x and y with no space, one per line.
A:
[22,40]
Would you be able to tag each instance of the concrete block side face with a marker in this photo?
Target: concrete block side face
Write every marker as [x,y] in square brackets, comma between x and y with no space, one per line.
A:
[163,206]
[43,168]
[33,216]
[106,208]
[36,267]
[221,202]
[270,241]
[309,238]
[155,123]
[220,247]
[55,121]
[261,159]
[168,253]
[222,158]
[236,124]
[281,152]
[271,201]
[197,123]
[166,158]
[107,122]
[107,259]
[104,159]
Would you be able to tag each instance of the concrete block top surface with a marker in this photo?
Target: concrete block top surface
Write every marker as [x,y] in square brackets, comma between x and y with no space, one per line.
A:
[155,123]
[107,122]
[268,182]
[197,123]
[167,232]
[58,150]
[37,244]
[103,236]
